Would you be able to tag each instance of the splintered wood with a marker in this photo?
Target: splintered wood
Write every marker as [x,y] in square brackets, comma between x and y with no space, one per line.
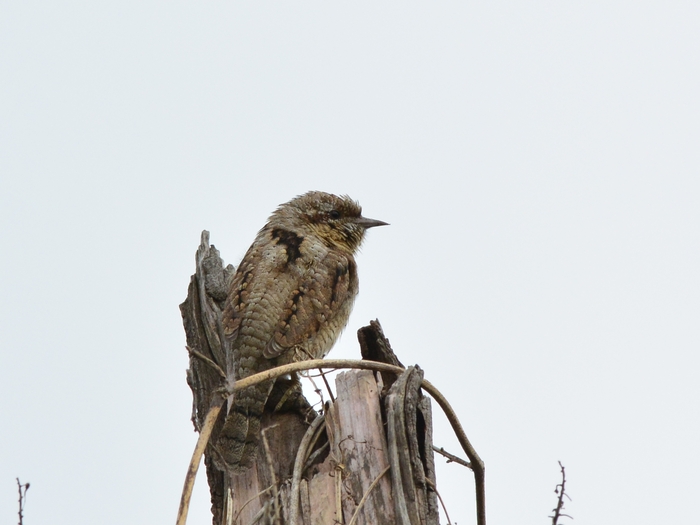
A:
[363,480]
[359,450]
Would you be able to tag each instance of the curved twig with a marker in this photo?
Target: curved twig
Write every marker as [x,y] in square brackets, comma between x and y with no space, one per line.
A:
[444,508]
[276,372]
[299,465]
[275,492]
[366,495]
[250,500]
[477,464]
[202,442]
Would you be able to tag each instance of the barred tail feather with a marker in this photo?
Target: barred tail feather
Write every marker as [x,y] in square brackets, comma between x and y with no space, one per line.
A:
[238,441]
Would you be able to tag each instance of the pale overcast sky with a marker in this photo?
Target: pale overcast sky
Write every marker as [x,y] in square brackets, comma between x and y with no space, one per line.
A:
[539,163]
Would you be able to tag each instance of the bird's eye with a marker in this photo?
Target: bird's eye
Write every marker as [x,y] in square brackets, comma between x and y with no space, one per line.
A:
[334,214]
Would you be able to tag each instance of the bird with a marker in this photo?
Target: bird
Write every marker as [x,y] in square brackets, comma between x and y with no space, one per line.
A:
[289,300]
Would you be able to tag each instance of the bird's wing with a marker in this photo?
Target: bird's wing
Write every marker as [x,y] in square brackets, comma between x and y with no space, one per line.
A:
[325,291]
[257,295]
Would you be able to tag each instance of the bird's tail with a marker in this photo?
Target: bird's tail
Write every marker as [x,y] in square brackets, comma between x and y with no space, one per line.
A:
[238,441]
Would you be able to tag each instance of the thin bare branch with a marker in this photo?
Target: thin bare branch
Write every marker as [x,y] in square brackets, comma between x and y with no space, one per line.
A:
[560,489]
[202,442]
[22,499]
[250,500]
[444,507]
[366,495]
[302,453]
[273,477]
[451,457]
[208,361]
[328,387]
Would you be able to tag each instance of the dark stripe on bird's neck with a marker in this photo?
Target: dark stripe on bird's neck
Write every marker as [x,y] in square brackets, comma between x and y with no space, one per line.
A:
[290,240]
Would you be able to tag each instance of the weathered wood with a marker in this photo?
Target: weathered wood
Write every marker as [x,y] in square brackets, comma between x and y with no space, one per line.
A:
[374,346]
[282,433]
[201,314]
[359,448]
[407,409]
[410,451]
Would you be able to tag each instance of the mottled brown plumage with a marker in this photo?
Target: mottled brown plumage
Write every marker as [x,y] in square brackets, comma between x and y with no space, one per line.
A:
[290,298]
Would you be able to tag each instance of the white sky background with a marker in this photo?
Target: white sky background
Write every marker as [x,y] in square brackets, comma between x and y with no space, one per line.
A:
[539,164]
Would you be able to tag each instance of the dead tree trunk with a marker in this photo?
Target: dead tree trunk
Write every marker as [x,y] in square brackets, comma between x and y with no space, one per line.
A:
[366,459]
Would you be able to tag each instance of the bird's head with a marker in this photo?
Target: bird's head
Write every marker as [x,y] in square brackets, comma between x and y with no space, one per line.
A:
[336,221]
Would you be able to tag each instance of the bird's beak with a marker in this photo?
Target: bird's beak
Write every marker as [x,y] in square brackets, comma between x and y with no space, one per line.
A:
[369,223]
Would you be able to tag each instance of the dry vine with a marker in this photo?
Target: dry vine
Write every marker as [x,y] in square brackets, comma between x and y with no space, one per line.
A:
[305,446]
[476,463]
